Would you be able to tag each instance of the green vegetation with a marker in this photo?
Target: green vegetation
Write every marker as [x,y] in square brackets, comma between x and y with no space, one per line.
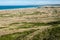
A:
[14,23]
[54,23]
[36,37]
[35,24]
[46,29]
[18,25]
[54,33]
[30,25]
[16,36]
[9,15]
[55,11]
[37,13]
[6,15]
[2,27]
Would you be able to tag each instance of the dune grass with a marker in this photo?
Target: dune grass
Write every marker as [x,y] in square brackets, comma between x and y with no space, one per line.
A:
[18,25]
[48,34]
[33,24]
[28,25]
[51,33]
[55,23]
[54,33]
[16,36]
[2,27]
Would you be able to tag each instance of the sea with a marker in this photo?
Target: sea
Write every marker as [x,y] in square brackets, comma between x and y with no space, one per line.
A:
[16,7]
[25,6]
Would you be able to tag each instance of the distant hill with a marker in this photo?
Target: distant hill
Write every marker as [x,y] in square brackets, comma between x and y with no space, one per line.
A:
[52,5]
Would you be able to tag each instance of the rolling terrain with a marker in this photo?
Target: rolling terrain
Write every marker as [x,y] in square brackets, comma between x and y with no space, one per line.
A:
[30,24]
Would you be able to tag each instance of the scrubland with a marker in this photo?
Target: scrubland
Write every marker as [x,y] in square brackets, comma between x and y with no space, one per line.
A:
[30,24]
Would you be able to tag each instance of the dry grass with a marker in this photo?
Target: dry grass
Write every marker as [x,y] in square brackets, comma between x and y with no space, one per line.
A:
[13,22]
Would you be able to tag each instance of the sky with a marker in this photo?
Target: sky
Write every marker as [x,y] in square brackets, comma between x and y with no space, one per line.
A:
[28,2]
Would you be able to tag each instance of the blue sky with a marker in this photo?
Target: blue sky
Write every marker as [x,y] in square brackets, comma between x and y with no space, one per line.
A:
[28,2]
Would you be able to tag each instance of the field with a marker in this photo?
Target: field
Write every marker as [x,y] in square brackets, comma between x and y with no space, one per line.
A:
[30,24]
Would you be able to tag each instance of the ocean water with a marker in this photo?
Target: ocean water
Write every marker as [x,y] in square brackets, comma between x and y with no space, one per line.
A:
[26,6]
[15,7]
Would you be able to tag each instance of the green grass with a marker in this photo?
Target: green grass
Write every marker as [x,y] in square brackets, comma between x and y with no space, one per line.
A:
[31,25]
[54,33]
[36,13]
[54,23]
[9,15]
[4,15]
[48,34]
[16,36]
[36,37]
[35,24]
[2,27]
[14,23]
[26,25]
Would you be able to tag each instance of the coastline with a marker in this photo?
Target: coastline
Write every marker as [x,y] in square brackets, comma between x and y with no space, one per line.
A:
[18,8]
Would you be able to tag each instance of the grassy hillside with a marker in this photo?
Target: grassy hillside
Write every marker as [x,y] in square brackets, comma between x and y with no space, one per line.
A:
[30,24]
